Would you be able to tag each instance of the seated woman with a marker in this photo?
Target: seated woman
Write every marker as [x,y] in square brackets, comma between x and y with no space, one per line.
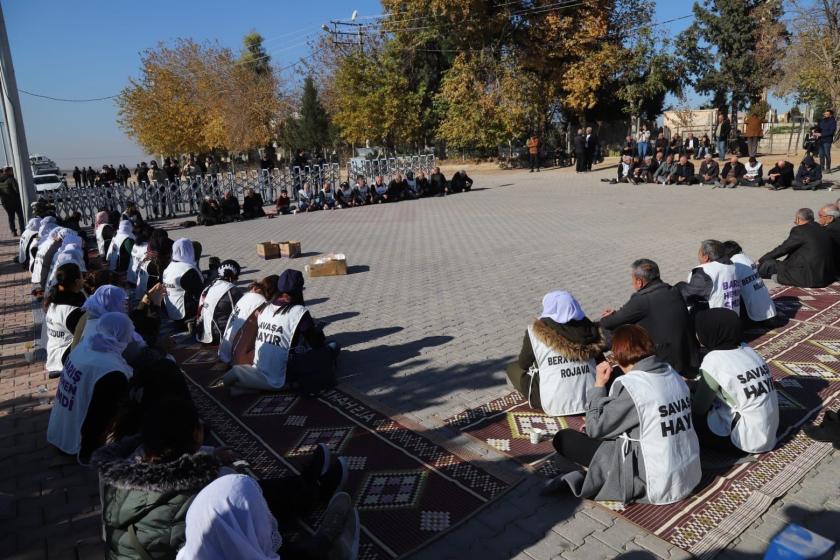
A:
[422,185]
[556,365]
[27,238]
[151,479]
[50,238]
[183,281]
[63,311]
[138,253]
[735,405]
[346,195]
[92,388]
[70,251]
[233,517]
[284,328]
[157,258]
[380,192]
[249,304]
[230,207]
[104,232]
[118,255]
[217,303]
[107,298]
[210,213]
[640,444]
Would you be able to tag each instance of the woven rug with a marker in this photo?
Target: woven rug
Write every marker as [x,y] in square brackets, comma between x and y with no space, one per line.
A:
[408,489]
[817,305]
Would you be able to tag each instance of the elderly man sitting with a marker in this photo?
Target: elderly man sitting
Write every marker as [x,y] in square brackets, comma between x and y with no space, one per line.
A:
[715,282]
[808,176]
[809,255]
[829,218]
[709,171]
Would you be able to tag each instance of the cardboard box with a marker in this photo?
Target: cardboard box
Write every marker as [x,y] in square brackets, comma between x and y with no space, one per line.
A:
[327,265]
[290,249]
[268,250]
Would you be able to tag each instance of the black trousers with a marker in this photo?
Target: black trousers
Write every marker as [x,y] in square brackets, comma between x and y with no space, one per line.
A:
[580,161]
[575,446]
[768,268]
[535,161]
[290,499]
[10,212]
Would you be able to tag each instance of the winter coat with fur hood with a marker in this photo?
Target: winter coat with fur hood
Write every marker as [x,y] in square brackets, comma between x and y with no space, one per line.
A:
[144,505]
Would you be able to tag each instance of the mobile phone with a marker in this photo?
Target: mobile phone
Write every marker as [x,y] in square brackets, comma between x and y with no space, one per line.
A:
[610,357]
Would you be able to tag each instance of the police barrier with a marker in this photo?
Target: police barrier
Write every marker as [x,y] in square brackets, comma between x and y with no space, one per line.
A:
[388,167]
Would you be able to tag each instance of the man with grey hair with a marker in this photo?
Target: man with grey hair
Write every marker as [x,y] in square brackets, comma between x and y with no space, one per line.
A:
[659,309]
[714,283]
[829,218]
[808,255]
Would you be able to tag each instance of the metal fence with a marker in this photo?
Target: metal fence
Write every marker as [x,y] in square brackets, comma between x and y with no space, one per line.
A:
[388,167]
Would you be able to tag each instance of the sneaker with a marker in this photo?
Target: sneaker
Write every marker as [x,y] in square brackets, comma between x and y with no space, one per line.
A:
[319,465]
[346,546]
[335,518]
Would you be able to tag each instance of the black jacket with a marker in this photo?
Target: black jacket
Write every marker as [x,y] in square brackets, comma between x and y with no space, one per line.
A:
[580,144]
[660,310]
[739,170]
[809,261]
[437,183]
[833,230]
[685,171]
[785,174]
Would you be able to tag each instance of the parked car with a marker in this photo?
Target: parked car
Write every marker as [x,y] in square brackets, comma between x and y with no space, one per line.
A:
[48,182]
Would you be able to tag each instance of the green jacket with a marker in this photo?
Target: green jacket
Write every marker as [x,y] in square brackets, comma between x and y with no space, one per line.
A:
[144,505]
[9,192]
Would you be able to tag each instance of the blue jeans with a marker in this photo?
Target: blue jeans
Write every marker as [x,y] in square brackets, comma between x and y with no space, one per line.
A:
[721,146]
[642,149]
[825,155]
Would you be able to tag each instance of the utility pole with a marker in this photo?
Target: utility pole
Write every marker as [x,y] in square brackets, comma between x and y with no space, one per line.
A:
[14,122]
[346,34]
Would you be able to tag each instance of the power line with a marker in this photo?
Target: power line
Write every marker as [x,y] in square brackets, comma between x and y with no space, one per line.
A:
[89,100]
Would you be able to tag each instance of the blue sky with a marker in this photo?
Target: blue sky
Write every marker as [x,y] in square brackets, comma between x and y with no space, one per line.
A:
[89,49]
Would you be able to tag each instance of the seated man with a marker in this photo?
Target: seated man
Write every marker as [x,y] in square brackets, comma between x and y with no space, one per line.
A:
[732,173]
[640,442]
[780,175]
[556,365]
[660,310]
[663,173]
[460,182]
[644,171]
[345,195]
[683,173]
[626,168]
[216,303]
[363,192]
[438,185]
[283,204]
[809,253]
[230,207]
[753,173]
[397,188]
[714,283]
[423,187]
[209,213]
[306,201]
[328,198]
[380,191]
[252,205]
[709,171]
[756,304]
[829,218]
[808,176]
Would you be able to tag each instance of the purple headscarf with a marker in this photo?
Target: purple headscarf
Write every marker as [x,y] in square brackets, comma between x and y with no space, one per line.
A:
[561,307]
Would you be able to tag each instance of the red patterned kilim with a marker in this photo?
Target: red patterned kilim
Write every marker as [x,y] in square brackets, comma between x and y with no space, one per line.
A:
[408,489]
[804,357]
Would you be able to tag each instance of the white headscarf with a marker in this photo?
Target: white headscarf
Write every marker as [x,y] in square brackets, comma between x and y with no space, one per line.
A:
[561,307]
[106,299]
[71,238]
[113,333]
[45,231]
[73,256]
[34,224]
[182,251]
[126,228]
[229,518]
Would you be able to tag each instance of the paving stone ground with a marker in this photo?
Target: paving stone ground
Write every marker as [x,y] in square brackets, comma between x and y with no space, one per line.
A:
[438,298]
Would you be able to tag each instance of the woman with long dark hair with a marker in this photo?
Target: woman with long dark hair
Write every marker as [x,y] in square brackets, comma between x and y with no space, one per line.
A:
[63,311]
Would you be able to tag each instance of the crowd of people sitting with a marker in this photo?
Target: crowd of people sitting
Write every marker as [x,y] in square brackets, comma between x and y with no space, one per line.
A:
[667,377]
[122,404]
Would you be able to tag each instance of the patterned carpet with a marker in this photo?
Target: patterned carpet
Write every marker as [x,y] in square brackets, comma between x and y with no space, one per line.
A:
[804,356]
[408,489]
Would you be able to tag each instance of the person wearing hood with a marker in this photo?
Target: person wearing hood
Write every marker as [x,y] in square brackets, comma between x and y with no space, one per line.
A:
[118,255]
[104,232]
[183,281]
[808,176]
[28,237]
[756,304]
[658,308]
[283,344]
[250,304]
[237,517]
[640,443]
[62,307]
[217,303]
[92,388]
[556,364]
[106,299]
[735,404]
[714,283]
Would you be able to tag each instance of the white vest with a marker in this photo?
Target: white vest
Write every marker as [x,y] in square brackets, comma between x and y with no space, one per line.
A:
[563,382]
[59,336]
[26,239]
[210,297]
[275,332]
[745,377]
[83,369]
[174,301]
[90,328]
[113,255]
[33,248]
[726,288]
[100,240]
[756,298]
[138,253]
[59,260]
[243,309]
[667,439]
[40,257]
[142,281]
